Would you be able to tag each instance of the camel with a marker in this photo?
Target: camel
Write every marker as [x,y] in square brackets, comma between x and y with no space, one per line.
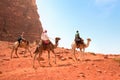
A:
[81,47]
[24,44]
[49,47]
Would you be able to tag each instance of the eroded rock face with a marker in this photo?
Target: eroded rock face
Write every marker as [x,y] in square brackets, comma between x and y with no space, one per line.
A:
[17,16]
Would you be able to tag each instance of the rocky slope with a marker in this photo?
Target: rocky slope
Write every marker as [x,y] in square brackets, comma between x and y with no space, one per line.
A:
[17,16]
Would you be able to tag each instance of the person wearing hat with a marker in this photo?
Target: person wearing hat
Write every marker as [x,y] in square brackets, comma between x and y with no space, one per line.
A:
[44,37]
[21,38]
[77,35]
[78,40]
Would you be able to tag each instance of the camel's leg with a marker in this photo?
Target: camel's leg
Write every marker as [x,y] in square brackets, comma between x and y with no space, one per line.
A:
[39,57]
[36,53]
[34,59]
[40,53]
[25,52]
[74,55]
[12,52]
[82,54]
[83,49]
[30,52]
[55,55]
[49,57]
[16,52]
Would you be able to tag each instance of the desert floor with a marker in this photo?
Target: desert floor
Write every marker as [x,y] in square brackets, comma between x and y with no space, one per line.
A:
[91,66]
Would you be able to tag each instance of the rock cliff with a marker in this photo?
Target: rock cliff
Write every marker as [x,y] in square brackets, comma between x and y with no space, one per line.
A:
[17,16]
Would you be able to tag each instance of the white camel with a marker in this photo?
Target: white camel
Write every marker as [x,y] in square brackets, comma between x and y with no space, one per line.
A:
[81,47]
[24,44]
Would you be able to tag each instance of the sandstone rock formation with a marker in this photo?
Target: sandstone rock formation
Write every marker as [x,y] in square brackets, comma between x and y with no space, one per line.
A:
[17,16]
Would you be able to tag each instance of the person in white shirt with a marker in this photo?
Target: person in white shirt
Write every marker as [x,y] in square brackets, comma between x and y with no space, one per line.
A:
[44,37]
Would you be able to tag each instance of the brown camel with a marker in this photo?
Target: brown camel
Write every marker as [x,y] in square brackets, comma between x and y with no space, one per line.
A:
[49,47]
[81,47]
[24,44]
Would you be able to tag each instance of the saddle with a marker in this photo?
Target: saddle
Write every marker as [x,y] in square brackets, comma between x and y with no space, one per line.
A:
[23,41]
[46,44]
[79,41]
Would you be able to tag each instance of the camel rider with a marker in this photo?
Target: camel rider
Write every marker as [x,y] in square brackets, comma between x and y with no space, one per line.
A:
[78,40]
[44,37]
[21,38]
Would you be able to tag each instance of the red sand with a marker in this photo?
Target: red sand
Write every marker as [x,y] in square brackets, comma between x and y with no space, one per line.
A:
[94,67]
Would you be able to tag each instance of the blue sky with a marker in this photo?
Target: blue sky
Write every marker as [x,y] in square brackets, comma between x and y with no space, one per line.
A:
[95,19]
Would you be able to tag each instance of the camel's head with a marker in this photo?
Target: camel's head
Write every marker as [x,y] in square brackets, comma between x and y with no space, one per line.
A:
[89,39]
[57,39]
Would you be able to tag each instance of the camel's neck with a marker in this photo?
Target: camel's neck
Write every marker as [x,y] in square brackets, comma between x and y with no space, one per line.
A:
[56,44]
[88,42]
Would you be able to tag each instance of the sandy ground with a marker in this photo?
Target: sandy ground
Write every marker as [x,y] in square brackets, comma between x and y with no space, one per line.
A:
[93,67]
